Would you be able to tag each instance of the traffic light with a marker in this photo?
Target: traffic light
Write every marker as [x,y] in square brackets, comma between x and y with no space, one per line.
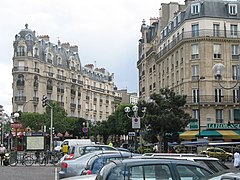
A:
[44,101]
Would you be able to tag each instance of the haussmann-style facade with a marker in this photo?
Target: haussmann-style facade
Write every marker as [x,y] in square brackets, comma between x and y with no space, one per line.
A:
[178,51]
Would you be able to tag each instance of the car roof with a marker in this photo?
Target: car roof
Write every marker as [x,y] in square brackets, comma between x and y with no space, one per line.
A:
[191,157]
[93,145]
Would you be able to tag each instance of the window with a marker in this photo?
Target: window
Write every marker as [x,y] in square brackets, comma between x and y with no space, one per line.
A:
[191,172]
[195,8]
[195,93]
[195,30]
[235,53]
[150,172]
[195,72]
[20,80]
[218,95]
[195,113]
[216,29]
[235,95]
[20,51]
[232,9]
[233,30]
[195,51]
[234,72]
[217,51]
[219,116]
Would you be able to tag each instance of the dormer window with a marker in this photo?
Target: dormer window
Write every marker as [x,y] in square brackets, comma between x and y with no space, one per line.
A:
[232,9]
[195,8]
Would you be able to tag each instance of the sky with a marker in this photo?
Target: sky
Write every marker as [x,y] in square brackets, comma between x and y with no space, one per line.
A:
[105,31]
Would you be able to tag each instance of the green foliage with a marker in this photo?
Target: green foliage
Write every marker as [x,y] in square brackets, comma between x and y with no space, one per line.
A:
[165,113]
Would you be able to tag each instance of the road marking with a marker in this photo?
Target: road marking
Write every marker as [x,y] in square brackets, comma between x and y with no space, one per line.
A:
[55,173]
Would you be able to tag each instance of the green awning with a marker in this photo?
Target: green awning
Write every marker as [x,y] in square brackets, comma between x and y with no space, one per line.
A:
[210,133]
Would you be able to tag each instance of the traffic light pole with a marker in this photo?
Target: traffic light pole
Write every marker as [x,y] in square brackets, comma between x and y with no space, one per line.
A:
[45,103]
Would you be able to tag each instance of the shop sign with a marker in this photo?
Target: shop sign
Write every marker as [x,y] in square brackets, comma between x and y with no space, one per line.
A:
[223,126]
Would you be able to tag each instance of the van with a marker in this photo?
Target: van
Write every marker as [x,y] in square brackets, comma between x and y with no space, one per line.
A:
[73,142]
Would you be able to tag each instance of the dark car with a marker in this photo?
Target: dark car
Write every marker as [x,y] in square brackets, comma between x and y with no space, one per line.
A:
[138,168]
[96,162]
[79,150]
[213,163]
[151,169]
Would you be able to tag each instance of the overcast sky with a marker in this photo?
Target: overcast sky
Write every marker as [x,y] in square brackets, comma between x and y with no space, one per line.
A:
[105,31]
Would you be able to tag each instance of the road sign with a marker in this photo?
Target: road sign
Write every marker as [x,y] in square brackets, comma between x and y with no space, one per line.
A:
[131,133]
[136,122]
[85,129]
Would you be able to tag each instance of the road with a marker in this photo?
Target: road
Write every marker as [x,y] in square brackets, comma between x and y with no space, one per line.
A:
[28,173]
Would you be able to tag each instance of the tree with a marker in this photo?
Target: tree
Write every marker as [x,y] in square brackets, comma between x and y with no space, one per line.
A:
[165,114]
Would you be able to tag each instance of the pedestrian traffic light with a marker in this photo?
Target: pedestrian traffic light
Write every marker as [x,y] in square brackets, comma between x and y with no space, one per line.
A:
[44,101]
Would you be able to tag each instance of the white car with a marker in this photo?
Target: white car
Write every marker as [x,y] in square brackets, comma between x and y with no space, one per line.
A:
[86,177]
[228,175]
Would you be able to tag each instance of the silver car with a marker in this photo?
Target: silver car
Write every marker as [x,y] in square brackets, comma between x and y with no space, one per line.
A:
[76,166]
[79,150]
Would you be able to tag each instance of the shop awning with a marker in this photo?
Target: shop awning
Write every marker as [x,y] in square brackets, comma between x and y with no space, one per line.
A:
[229,134]
[188,135]
[210,133]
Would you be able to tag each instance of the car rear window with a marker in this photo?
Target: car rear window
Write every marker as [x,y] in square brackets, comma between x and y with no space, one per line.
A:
[192,172]
[214,165]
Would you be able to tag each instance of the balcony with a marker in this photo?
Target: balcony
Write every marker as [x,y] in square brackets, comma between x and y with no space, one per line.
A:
[80,82]
[72,106]
[20,68]
[212,99]
[74,80]
[37,70]
[20,99]
[59,90]
[49,74]
[35,100]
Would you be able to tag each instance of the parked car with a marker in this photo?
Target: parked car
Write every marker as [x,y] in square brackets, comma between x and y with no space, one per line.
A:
[218,153]
[226,175]
[76,166]
[79,150]
[135,168]
[213,163]
[96,162]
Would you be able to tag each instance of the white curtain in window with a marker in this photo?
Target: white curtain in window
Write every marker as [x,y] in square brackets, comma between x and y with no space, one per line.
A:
[195,49]
[217,49]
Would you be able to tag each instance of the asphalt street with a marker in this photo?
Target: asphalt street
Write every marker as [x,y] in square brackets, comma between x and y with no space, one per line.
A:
[28,173]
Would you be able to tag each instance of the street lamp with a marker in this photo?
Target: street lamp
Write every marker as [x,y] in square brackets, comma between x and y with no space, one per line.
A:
[94,123]
[136,120]
[219,70]
[199,116]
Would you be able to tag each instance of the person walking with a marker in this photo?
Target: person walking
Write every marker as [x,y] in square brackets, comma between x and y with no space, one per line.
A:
[236,161]
[2,152]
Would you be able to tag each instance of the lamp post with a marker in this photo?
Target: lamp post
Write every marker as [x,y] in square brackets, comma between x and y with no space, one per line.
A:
[136,120]
[219,70]
[199,104]
[94,123]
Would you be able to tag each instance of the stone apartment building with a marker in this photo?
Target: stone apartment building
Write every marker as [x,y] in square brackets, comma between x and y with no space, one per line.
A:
[41,67]
[178,51]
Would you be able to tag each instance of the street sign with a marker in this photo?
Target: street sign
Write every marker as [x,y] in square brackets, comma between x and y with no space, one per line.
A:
[136,122]
[131,133]
[85,129]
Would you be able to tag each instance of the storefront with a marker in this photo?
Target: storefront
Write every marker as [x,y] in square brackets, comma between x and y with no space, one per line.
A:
[220,131]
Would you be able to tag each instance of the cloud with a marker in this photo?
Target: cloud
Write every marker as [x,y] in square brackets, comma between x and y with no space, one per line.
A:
[105,31]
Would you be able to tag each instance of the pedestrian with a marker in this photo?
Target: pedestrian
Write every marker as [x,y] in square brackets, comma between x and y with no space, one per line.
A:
[236,161]
[2,152]
[110,143]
